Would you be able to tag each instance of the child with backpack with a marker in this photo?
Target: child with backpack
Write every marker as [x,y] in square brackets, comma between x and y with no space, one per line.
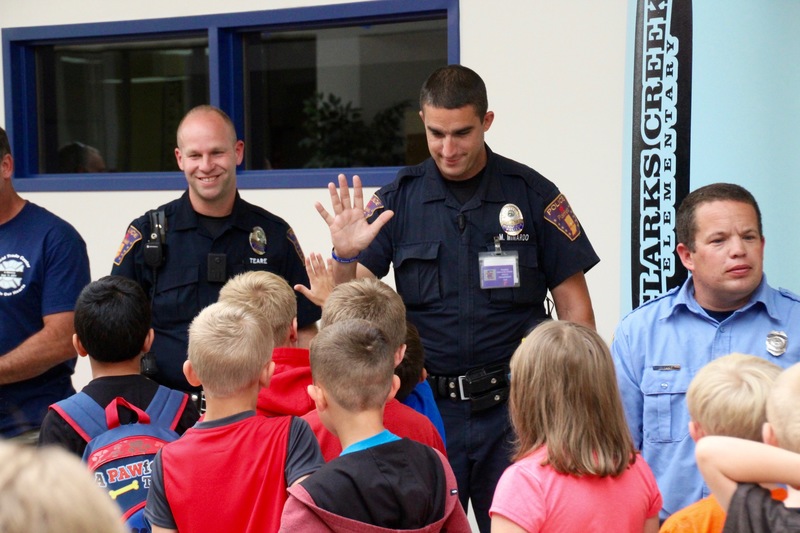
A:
[230,471]
[112,327]
[575,467]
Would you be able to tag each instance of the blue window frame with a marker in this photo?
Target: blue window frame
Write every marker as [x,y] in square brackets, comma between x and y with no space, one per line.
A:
[226,86]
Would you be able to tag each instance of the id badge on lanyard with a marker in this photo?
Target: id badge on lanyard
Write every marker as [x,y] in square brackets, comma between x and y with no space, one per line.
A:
[498,269]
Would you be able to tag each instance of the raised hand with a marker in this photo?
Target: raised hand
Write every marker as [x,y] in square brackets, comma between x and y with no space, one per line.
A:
[320,277]
[350,231]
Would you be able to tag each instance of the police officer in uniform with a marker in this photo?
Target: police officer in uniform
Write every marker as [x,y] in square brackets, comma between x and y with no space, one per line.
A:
[183,252]
[476,241]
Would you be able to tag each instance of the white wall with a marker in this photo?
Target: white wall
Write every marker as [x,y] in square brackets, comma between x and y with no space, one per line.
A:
[555,74]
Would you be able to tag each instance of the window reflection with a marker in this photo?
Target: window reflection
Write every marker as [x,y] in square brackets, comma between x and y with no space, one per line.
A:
[119,101]
[339,97]
[313,97]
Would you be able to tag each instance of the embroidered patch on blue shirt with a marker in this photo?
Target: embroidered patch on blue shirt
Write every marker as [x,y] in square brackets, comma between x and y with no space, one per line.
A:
[374,204]
[560,214]
[296,243]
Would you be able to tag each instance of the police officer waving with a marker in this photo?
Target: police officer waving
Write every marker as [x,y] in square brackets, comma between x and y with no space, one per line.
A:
[476,241]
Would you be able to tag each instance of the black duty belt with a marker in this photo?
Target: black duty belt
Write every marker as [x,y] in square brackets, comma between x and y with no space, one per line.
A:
[198,398]
[483,387]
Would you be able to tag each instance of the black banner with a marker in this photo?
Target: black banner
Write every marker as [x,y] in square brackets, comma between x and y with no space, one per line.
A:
[662,97]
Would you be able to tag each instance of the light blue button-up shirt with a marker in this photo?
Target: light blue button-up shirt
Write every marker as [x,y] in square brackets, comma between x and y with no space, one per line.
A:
[659,347]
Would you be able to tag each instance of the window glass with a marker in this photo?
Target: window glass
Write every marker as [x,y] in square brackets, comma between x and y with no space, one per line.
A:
[115,106]
[338,97]
[308,89]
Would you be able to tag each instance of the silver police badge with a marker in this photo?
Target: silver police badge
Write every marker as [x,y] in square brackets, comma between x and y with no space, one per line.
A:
[776,342]
[258,240]
[511,219]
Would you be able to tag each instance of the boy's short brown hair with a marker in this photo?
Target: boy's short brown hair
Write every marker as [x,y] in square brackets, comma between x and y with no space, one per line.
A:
[728,396]
[354,362]
[372,300]
[228,347]
[267,292]
[410,368]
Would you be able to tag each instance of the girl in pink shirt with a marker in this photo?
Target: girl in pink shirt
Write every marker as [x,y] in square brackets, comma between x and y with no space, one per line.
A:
[575,468]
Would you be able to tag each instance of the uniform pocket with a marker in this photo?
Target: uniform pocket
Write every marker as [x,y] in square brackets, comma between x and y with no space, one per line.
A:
[665,416]
[532,284]
[416,268]
[176,295]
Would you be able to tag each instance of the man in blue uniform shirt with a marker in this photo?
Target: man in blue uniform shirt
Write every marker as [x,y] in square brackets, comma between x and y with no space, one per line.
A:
[476,241]
[210,235]
[725,306]
[43,267]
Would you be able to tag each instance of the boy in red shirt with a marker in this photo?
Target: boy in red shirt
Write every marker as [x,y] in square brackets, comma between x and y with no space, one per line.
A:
[248,458]
[272,295]
[372,300]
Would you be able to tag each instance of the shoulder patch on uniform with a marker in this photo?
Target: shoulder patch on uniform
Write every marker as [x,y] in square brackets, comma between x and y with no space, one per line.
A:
[373,205]
[290,235]
[559,213]
[132,236]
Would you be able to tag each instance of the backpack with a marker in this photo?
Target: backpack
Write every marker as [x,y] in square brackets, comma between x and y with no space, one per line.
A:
[120,456]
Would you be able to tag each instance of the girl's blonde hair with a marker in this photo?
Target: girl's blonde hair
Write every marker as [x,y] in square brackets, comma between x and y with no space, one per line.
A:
[49,490]
[564,395]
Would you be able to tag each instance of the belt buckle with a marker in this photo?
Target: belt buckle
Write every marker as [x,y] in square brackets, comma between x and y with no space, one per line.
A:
[199,400]
[461,380]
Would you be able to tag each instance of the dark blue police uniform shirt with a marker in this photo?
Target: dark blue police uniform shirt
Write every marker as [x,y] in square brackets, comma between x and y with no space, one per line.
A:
[436,263]
[183,289]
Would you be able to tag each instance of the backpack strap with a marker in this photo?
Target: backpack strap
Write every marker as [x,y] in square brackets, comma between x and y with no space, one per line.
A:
[112,412]
[83,414]
[166,407]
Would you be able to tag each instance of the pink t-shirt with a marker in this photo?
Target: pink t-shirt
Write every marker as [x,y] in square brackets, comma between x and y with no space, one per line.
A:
[539,499]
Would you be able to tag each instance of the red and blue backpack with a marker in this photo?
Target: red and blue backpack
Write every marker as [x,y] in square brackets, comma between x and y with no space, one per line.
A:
[121,455]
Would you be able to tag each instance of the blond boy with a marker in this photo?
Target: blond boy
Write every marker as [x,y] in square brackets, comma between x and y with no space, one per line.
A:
[732,467]
[248,458]
[727,397]
[372,300]
[275,299]
[352,362]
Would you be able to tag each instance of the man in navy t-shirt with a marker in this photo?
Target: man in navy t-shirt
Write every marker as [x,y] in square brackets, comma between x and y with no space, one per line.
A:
[43,267]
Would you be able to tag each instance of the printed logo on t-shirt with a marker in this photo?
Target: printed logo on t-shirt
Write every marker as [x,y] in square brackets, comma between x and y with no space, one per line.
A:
[12,270]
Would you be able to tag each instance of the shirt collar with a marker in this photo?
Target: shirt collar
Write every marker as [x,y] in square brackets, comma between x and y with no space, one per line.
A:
[685,299]
[380,438]
[219,422]
[186,217]
[490,190]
